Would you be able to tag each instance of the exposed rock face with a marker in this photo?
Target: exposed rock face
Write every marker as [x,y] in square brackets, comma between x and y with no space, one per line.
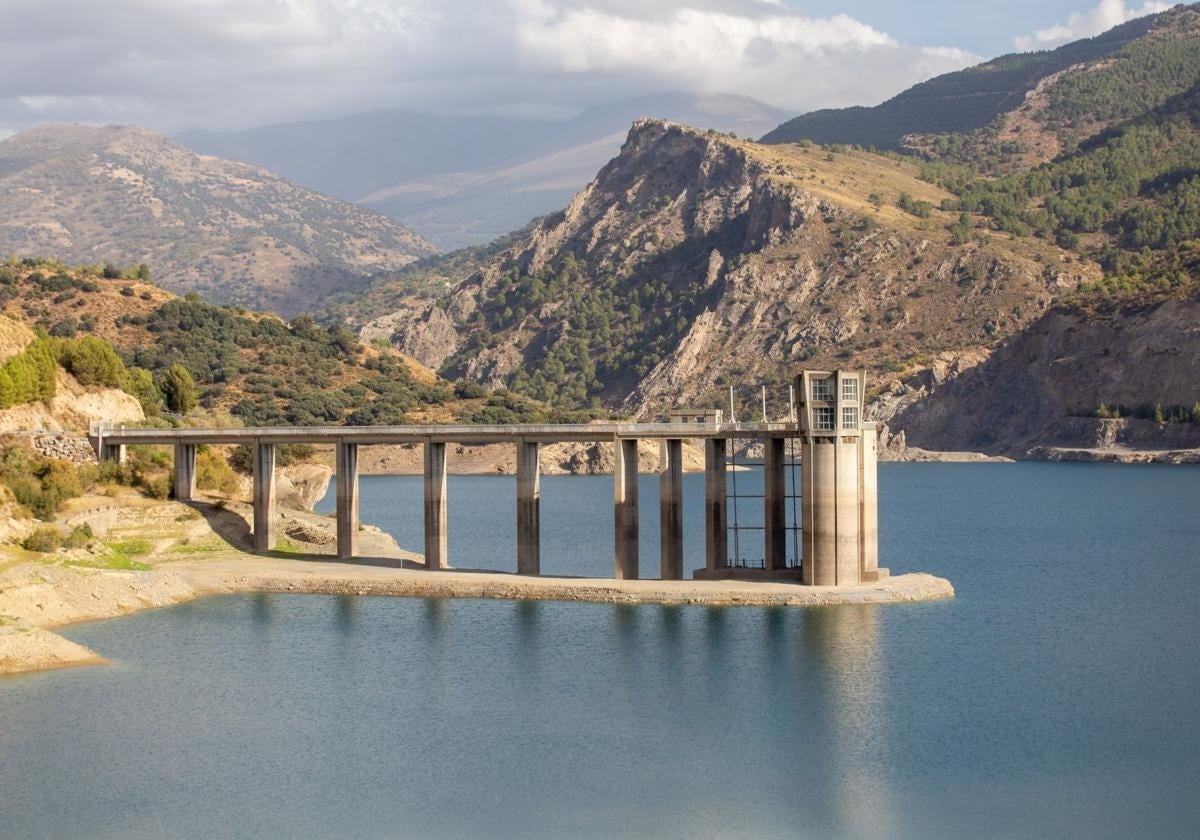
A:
[72,409]
[300,486]
[1037,388]
[773,257]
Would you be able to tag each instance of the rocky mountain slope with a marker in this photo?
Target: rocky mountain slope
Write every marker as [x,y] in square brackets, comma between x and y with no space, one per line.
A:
[694,260]
[1078,377]
[234,232]
[464,180]
[1028,106]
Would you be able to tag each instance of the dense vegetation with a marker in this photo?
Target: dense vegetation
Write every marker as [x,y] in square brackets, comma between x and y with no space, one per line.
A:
[614,330]
[1131,197]
[293,373]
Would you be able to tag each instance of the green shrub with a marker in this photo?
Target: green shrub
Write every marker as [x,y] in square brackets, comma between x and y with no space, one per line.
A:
[214,473]
[44,539]
[140,383]
[132,548]
[80,536]
[158,487]
[178,389]
[93,361]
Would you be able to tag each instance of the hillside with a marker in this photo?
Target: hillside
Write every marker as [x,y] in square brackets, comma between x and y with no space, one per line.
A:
[1127,197]
[695,260]
[1026,107]
[255,367]
[233,232]
[462,181]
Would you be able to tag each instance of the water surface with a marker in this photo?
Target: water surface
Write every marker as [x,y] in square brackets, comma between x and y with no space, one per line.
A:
[1055,697]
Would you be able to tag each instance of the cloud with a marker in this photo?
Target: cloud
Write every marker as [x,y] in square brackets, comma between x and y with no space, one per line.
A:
[235,63]
[1106,15]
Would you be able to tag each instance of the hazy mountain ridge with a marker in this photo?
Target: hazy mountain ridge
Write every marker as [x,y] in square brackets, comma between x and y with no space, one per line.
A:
[236,233]
[464,181]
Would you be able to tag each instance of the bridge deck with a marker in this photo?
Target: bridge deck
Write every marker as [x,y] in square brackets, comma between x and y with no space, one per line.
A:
[465,434]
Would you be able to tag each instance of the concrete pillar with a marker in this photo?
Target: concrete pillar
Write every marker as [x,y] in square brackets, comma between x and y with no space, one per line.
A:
[112,452]
[185,472]
[347,500]
[435,506]
[716,534]
[868,529]
[849,561]
[670,510]
[264,496]
[529,505]
[625,508]
[774,505]
[819,460]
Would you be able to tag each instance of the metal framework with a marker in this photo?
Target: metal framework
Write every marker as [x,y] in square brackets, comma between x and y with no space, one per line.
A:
[793,526]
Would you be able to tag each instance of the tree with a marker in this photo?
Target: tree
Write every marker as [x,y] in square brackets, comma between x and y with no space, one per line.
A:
[140,384]
[178,389]
[92,361]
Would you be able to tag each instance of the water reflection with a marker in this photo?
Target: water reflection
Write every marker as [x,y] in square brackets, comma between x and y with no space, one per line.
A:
[847,662]
[345,614]
[261,608]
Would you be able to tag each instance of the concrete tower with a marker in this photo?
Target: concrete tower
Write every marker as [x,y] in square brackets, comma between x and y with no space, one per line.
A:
[840,500]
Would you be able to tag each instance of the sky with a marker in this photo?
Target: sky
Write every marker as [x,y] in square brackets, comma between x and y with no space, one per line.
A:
[232,64]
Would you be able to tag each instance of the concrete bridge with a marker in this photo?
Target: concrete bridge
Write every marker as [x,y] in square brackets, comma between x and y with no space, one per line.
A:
[834,555]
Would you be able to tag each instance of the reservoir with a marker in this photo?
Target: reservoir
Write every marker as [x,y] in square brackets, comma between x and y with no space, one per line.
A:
[1057,696]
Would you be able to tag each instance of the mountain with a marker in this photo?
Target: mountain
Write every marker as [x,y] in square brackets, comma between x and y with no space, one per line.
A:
[463,181]
[695,261]
[1042,102]
[235,232]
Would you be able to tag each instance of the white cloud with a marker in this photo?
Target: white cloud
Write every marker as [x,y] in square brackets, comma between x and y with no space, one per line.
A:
[1106,15]
[234,63]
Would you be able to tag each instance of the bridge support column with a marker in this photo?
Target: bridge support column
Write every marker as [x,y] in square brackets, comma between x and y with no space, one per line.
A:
[716,535]
[625,508]
[774,508]
[185,472]
[435,505]
[347,500]
[529,504]
[264,497]
[670,509]
[112,452]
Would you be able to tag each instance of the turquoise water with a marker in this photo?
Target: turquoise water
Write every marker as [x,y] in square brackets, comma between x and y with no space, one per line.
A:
[1056,697]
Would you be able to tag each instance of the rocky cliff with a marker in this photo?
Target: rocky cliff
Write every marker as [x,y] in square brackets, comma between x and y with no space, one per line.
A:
[694,260]
[1044,386]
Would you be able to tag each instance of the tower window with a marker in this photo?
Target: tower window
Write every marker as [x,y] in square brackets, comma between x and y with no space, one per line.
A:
[822,390]
[850,417]
[823,419]
[850,390]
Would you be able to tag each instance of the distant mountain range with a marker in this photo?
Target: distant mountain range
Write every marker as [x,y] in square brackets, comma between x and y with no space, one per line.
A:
[233,231]
[461,181]
[955,102]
